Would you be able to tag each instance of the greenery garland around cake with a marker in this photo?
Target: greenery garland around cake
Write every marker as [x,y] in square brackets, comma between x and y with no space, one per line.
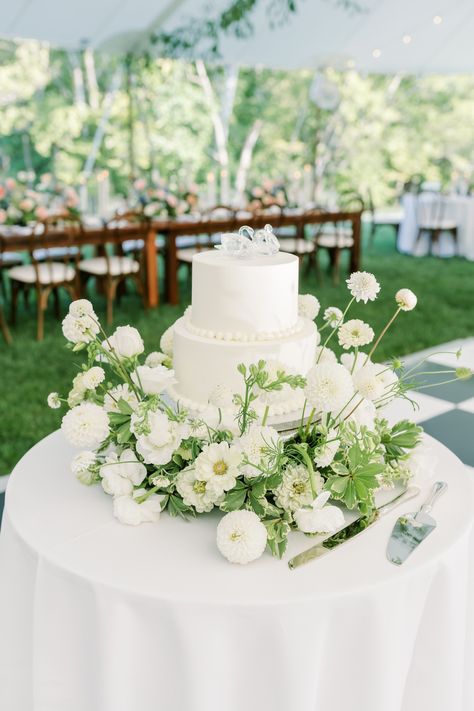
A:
[151,456]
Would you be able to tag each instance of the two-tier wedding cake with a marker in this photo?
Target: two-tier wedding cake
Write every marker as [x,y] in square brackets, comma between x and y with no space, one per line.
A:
[243,309]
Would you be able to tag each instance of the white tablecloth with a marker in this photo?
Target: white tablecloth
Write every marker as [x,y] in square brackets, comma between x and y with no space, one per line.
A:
[459,209]
[96,616]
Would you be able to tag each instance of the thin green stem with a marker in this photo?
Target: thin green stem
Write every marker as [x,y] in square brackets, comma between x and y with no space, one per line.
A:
[335,329]
[372,350]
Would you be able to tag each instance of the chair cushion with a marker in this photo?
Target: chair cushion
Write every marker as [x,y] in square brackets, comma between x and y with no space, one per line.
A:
[437,225]
[132,245]
[54,253]
[296,245]
[9,258]
[331,241]
[118,266]
[49,273]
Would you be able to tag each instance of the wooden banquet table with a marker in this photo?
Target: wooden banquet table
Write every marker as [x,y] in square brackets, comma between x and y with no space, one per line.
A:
[170,229]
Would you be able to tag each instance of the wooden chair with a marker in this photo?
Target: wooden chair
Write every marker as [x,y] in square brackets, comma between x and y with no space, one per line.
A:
[336,237]
[132,247]
[111,270]
[380,218]
[58,222]
[189,246]
[298,245]
[46,275]
[432,220]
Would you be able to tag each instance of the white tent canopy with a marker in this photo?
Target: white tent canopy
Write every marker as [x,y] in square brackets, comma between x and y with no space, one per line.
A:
[387,36]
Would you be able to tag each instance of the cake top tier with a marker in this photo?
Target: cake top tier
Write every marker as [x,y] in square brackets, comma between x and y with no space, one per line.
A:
[246,296]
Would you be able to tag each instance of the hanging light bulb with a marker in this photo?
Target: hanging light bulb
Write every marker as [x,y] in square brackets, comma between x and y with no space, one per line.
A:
[376,53]
[406,39]
[437,19]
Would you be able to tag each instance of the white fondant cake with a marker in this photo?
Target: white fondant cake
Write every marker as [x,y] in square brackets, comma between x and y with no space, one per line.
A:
[243,310]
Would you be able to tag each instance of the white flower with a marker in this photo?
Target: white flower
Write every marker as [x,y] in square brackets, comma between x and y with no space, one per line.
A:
[53,401]
[406,299]
[325,453]
[333,316]
[328,387]
[295,491]
[320,518]
[120,392]
[166,341]
[93,377]
[153,380]
[325,355]
[218,464]
[86,425]
[82,465]
[81,307]
[241,537]
[390,381]
[128,510]
[121,473]
[157,436]
[81,329]
[362,412]
[368,382]
[363,286]
[308,306]
[286,393]
[258,445]
[222,396]
[161,481]
[155,358]
[126,342]
[347,360]
[195,492]
[355,333]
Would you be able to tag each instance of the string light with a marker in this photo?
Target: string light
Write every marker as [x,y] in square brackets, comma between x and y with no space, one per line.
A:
[437,19]
[406,39]
[376,53]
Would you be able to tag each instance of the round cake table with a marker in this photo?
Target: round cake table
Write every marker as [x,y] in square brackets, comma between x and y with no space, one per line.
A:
[98,616]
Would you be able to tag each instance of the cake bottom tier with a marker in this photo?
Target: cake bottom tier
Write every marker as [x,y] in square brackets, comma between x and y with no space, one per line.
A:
[201,364]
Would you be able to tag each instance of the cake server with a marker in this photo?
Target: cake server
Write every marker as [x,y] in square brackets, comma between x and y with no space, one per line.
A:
[412,528]
[326,544]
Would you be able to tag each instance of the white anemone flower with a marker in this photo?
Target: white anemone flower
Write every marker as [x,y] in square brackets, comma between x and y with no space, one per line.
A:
[328,387]
[196,492]
[406,299]
[218,464]
[355,333]
[86,425]
[363,286]
[241,537]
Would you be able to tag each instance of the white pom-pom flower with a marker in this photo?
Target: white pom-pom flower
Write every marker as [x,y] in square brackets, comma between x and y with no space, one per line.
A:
[130,511]
[86,425]
[355,333]
[325,355]
[368,382]
[53,401]
[80,329]
[241,537]
[363,286]
[308,306]
[81,307]
[320,517]
[218,464]
[93,377]
[328,387]
[126,342]
[153,381]
[166,341]
[354,362]
[333,316]
[406,299]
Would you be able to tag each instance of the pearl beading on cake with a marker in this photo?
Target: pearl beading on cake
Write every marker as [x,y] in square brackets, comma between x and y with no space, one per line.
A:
[241,337]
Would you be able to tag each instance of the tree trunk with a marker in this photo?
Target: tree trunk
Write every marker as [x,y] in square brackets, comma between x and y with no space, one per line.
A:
[107,105]
[92,86]
[131,118]
[246,160]
[78,82]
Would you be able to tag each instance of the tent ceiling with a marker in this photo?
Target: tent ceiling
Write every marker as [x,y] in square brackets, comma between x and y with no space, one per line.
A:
[321,33]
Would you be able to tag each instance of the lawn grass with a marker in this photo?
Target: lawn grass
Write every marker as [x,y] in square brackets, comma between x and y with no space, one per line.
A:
[30,370]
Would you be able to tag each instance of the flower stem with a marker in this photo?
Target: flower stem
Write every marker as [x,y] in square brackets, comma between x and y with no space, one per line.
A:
[372,350]
[335,329]
[265,415]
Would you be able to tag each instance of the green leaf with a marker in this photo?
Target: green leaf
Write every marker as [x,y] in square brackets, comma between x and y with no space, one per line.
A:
[258,506]
[123,433]
[259,489]
[124,407]
[234,500]
[350,497]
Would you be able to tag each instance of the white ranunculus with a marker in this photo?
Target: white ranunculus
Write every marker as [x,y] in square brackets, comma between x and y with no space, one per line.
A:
[120,392]
[241,537]
[155,358]
[81,307]
[53,401]
[308,306]
[127,342]
[363,286]
[162,439]
[320,517]
[218,464]
[196,492]
[93,377]
[355,333]
[129,511]
[153,381]
[258,445]
[406,299]
[81,329]
[166,341]
[86,425]
[328,387]
[81,467]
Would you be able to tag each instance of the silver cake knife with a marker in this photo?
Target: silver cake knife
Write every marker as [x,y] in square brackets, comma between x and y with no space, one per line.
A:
[327,543]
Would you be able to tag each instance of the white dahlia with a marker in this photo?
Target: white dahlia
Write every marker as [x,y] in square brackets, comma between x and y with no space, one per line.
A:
[86,425]
[333,316]
[354,362]
[218,464]
[153,381]
[120,392]
[54,401]
[406,299]
[258,446]
[295,491]
[308,306]
[166,341]
[158,439]
[328,387]
[81,307]
[355,333]
[196,492]
[241,537]
[363,286]
[368,382]
[126,342]
[93,377]
[320,517]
